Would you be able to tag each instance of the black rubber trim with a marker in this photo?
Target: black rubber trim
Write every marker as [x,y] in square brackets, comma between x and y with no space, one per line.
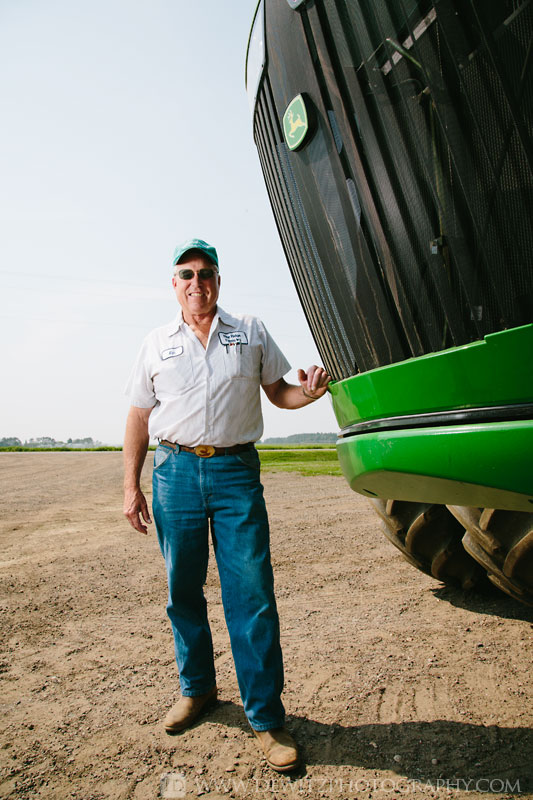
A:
[471,416]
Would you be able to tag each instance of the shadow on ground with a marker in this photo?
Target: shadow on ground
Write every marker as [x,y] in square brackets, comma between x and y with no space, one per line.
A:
[485,600]
[487,758]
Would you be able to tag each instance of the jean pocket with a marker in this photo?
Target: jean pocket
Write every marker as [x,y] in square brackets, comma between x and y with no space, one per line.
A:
[161,456]
[250,459]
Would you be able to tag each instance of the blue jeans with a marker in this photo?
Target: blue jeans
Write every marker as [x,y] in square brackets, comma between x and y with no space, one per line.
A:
[191,494]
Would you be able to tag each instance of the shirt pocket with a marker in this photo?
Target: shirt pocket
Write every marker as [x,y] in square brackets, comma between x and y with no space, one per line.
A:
[173,376]
[241,361]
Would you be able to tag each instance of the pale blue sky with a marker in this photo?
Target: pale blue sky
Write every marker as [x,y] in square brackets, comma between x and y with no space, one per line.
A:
[125,130]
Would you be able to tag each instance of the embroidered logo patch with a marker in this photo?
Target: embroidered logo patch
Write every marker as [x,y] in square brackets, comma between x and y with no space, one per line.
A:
[171,352]
[233,338]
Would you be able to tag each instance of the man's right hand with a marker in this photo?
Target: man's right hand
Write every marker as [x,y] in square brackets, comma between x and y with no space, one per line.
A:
[135,506]
[135,446]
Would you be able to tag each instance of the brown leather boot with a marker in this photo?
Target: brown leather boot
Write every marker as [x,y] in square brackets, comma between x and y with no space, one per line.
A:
[280,749]
[187,709]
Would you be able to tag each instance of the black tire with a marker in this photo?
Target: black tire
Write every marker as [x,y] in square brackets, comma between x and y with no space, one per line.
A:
[502,542]
[430,538]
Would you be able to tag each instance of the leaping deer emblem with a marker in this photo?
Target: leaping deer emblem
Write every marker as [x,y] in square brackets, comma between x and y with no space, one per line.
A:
[294,124]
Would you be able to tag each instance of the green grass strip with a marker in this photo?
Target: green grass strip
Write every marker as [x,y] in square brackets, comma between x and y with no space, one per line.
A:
[22,449]
[308,460]
[321,461]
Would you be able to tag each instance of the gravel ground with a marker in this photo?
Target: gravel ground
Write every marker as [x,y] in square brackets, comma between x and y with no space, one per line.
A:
[395,685]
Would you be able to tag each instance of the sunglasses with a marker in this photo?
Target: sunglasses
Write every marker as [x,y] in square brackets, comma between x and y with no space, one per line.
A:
[205,273]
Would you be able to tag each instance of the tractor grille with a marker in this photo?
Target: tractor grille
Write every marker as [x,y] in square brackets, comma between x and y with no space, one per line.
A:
[406,216]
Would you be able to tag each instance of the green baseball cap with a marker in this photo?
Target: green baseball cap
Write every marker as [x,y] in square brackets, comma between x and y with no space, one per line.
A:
[195,244]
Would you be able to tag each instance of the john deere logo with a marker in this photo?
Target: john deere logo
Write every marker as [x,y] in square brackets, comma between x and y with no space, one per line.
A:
[295,123]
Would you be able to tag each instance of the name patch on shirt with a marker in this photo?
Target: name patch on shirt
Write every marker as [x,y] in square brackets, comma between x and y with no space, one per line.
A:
[233,338]
[171,352]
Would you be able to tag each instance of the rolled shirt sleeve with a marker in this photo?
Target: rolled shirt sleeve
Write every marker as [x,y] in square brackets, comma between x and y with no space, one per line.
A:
[274,364]
[140,386]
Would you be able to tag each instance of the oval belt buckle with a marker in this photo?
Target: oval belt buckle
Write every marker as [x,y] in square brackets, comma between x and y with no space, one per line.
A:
[204,450]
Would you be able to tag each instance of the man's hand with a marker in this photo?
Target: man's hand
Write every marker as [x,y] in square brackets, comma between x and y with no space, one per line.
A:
[135,505]
[135,447]
[314,382]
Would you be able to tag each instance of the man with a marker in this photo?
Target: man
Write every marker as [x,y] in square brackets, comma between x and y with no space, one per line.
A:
[195,388]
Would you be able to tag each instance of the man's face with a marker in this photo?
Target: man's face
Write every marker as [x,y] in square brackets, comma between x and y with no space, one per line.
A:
[196,295]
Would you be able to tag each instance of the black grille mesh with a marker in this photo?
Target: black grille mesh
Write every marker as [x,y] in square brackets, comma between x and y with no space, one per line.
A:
[406,219]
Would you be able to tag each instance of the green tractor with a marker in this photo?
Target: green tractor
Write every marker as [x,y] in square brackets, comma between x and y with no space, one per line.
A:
[395,139]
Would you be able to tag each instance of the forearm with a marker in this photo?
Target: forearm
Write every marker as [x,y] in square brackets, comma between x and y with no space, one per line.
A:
[313,384]
[136,441]
[290,396]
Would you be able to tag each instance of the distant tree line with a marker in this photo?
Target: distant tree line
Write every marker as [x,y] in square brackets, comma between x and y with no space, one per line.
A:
[47,441]
[303,438]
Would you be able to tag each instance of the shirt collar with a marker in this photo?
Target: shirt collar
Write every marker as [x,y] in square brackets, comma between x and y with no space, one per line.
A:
[226,318]
[174,326]
[221,315]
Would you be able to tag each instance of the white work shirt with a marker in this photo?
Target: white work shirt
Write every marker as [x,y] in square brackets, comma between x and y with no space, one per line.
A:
[209,396]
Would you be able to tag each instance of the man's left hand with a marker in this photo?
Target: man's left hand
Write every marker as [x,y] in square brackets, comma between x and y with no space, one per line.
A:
[314,382]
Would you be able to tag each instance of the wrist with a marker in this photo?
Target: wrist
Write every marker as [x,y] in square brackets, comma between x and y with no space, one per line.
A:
[309,396]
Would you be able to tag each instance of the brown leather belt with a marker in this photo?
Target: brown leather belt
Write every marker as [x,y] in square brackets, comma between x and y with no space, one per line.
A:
[207,450]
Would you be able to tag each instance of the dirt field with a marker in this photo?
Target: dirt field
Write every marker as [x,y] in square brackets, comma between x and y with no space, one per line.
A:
[395,685]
